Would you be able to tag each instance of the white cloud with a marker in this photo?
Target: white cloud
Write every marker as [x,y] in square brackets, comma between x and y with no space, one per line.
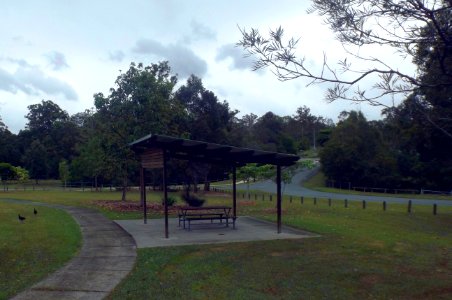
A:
[116,56]
[239,58]
[181,59]
[201,32]
[31,80]
[57,60]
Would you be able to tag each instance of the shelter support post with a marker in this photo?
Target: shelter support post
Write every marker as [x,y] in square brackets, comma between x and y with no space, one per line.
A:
[278,196]
[143,194]
[234,194]
[165,193]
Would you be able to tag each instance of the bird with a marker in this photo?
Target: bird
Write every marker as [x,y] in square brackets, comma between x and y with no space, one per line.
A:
[35,211]
[21,219]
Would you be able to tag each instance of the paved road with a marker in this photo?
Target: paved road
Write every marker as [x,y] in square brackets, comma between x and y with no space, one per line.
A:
[295,189]
[107,255]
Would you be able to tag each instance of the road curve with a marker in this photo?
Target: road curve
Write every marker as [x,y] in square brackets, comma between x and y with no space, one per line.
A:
[296,189]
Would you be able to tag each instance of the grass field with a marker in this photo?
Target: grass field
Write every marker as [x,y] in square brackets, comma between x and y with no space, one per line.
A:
[39,246]
[317,182]
[361,254]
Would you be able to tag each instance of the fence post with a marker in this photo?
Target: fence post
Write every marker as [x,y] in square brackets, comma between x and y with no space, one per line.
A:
[364,204]
[271,198]
[384,205]
[329,201]
[434,209]
[301,199]
[345,203]
[315,200]
[290,199]
[409,206]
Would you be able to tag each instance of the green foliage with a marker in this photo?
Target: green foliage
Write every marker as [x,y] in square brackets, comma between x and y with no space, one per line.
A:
[192,200]
[21,174]
[170,200]
[7,171]
[355,153]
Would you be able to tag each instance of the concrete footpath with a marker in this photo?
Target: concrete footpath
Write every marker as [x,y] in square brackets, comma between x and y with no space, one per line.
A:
[108,254]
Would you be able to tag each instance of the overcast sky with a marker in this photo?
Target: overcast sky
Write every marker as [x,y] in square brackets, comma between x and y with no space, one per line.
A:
[66,51]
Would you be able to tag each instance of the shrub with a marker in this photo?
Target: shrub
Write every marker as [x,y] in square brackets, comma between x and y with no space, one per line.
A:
[192,200]
[171,200]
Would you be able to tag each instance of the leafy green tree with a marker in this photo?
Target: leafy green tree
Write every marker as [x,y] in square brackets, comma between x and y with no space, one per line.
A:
[56,133]
[139,104]
[21,174]
[9,151]
[206,119]
[92,161]
[43,116]
[36,161]
[248,173]
[356,153]
[7,171]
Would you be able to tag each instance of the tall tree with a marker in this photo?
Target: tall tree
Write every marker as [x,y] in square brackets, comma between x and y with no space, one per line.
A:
[9,150]
[51,125]
[207,119]
[356,153]
[139,104]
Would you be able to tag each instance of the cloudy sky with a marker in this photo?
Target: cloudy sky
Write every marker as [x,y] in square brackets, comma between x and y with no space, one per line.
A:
[66,51]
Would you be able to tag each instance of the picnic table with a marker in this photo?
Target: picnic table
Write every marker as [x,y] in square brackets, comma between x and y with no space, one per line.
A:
[190,214]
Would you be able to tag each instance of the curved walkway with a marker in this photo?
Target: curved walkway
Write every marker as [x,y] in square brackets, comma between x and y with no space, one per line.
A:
[107,255]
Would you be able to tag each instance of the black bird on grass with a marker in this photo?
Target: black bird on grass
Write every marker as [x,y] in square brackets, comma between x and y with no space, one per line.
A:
[21,219]
[35,211]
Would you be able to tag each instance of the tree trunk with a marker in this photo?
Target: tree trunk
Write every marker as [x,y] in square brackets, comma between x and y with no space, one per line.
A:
[95,183]
[124,188]
[206,186]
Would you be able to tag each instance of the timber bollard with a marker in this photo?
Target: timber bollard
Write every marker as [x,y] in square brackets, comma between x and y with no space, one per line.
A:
[364,204]
[409,206]
[315,200]
[290,199]
[345,203]
[271,198]
[384,205]
[329,201]
[434,209]
[301,199]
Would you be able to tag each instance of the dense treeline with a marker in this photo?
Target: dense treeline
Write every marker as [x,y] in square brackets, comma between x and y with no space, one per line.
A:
[93,145]
[408,148]
[412,146]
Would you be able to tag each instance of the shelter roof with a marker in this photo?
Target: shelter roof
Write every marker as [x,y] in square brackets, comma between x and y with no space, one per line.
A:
[210,152]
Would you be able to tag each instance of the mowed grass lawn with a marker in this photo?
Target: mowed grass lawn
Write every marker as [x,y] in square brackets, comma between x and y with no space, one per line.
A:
[361,254]
[32,250]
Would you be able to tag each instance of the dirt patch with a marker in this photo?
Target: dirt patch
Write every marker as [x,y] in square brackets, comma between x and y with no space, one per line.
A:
[126,206]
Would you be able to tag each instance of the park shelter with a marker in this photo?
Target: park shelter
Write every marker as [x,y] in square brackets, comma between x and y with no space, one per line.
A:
[155,150]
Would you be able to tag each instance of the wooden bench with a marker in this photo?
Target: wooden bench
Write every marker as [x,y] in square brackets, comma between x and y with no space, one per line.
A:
[189,215]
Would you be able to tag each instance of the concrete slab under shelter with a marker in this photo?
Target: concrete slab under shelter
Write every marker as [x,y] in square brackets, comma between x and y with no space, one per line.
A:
[247,229]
